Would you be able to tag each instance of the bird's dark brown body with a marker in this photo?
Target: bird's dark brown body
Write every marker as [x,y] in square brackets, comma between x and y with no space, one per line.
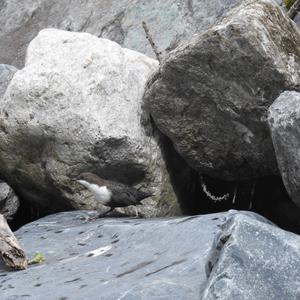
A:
[110,193]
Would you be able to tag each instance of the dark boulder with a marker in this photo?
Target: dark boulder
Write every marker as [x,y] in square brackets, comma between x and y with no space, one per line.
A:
[212,95]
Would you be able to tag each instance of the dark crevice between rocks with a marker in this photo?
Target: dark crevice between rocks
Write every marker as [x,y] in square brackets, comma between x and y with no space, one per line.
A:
[26,213]
[30,209]
[266,196]
[29,212]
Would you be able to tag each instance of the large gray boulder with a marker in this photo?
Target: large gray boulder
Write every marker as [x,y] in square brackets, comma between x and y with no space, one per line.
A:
[6,74]
[76,107]
[251,259]
[212,95]
[9,201]
[284,121]
[169,21]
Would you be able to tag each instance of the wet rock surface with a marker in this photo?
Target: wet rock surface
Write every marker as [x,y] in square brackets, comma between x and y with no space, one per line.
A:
[113,258]
[212,95]
[253,259]
[230,255]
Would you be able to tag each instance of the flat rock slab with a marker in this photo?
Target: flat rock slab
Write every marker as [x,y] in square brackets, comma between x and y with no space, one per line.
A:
[113,258]
[230,255]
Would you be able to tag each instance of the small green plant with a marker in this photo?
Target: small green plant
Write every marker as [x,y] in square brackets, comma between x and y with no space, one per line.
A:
[288,3]
[37,258]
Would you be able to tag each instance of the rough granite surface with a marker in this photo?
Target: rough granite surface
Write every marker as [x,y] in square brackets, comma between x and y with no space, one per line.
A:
[169,21]
[212,95]
[76,107]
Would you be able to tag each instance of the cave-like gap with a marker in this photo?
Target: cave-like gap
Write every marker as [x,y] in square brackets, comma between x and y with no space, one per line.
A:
[266,196]
[29,212]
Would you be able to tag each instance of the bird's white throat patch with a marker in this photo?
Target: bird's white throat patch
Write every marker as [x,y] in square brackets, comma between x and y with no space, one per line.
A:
[101,193]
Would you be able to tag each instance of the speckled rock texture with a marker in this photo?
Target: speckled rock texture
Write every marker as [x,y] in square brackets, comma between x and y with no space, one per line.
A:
[212,95]
[169,21]
[9,201]
[229,255]
[76,107]
[252,259]
[284,121]
[6,74]
[113,258]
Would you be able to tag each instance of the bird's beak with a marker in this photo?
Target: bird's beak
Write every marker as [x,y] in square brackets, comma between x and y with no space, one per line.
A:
[74,179]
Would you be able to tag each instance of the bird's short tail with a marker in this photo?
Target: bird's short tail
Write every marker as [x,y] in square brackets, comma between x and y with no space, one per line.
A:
[142,195]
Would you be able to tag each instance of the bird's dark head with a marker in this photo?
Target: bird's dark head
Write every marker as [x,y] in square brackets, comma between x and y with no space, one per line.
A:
[90,178]
[84,176]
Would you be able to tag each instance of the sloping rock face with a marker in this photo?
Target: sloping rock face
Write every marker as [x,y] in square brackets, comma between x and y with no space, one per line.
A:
[9,201]
[251,259]
[76,107]
[211,96]
[113,258]
[284,121]
[169,21]
[6,74]
[233,255]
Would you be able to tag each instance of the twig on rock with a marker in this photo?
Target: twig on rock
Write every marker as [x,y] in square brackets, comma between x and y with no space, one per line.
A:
[10,250]
[152,44]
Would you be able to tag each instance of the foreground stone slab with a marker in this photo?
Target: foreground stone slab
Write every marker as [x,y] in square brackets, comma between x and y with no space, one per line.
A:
[113,258]
[212,95]
[252,259]
[230,255]
[284,122]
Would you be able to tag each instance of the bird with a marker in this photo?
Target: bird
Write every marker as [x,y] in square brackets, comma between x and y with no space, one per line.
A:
[111,193]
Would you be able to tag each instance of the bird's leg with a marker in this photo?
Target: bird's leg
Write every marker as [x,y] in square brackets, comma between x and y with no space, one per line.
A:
[97,216]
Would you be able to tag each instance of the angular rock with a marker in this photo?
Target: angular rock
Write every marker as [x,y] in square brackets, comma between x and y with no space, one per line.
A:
[113,258]
[284,121]
[251,259]
[76,107]
[6,74]
[212,95]
[169,21]
[9,201]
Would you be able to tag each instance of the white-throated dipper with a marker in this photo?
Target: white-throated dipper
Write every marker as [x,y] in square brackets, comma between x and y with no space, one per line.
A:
[110,193]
